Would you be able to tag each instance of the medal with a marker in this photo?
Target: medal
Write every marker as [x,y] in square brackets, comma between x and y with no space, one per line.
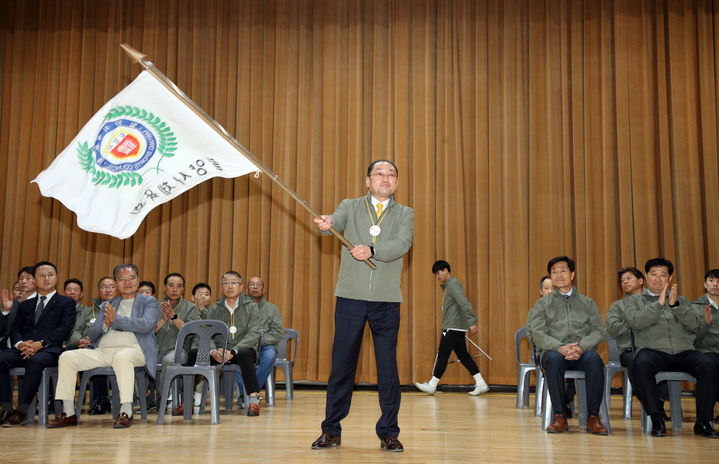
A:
[374,230]
[92,321]
[233,329]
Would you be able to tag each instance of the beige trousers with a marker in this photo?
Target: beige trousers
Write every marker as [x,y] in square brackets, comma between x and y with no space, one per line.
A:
[123,360]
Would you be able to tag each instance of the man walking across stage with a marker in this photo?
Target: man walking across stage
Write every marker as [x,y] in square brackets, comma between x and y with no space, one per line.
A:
[457,319]
[382,230]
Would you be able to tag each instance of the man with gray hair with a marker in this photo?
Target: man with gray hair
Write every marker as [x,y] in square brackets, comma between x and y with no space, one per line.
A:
[122,338]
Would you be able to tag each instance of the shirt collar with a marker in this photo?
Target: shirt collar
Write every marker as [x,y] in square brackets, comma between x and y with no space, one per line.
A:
[376,201]
[48,296]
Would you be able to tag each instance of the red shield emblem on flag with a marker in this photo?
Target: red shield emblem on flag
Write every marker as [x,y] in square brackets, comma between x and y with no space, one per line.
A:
[128,146]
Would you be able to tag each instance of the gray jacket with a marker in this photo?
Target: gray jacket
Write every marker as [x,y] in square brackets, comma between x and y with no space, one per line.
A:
[356,280]
[142,322]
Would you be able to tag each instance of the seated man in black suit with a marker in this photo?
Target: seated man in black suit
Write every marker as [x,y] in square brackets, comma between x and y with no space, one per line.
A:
[23,289]
[40,328]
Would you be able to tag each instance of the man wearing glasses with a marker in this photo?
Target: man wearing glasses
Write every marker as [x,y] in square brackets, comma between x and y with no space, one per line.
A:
[122,338]
[242,316]
[381,230]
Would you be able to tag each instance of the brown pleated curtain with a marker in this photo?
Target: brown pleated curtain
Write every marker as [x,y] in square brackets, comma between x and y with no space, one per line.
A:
[522,130]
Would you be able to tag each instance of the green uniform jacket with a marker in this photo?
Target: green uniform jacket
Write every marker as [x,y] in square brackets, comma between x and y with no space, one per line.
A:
[271,323]
[662,328]
[356,280]
[167,335]
[457,312]
[84,318]
[708,337]
[617,326]
[246,319]
[555,321]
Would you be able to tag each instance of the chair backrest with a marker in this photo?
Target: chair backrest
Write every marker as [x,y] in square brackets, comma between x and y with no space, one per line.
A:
[613,349]
[288,334]
[518,336]
[204,330]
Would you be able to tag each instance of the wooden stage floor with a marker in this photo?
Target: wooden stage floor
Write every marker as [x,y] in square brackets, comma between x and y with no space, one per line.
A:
[447,427]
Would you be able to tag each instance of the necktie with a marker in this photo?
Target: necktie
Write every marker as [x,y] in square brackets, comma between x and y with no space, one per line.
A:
[39,308]
[379,210]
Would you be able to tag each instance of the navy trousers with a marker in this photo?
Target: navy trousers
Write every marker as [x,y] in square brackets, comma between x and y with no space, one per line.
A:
[555,365]
[351,317]
[34,365]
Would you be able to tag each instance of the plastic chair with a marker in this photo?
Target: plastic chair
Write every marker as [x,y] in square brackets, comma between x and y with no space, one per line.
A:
[284,362]
[140,380]
[524,369]
[674,381]
[581,387]
[204,330]
[49,375]
[612,367]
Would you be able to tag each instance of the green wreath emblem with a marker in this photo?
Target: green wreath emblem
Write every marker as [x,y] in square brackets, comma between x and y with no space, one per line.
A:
[166,146]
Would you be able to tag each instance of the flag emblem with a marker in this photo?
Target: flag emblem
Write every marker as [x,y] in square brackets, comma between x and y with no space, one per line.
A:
[128,139]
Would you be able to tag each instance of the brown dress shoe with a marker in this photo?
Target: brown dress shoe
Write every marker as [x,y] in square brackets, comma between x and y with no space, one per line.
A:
[559,424]
[123,421]
[326,440]
[63,420]
[4,416]
[179,411]
[15,419]
[594,425]
[253,409]
[391,444]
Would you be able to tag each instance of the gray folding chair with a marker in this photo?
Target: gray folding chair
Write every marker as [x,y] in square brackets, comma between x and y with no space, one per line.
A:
[581,387]
[524,369]
[49,375]
[674,383]
[204,330]
[140,381]
[612,367]
[285,362]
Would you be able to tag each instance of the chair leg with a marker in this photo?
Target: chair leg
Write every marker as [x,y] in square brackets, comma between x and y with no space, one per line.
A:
[604,410]
[213,384]
[581,388]
[187,391]
[546,407]
[289,383]
[675,403]
[84,380]
[115,396]
[164,393]
[142,393]
[270,388]
[43,394]
[627,396]
[538,396]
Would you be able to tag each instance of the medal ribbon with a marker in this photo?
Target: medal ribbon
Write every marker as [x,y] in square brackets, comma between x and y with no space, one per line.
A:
[381,218]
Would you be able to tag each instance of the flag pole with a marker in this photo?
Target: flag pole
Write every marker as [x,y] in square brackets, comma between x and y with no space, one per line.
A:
[148,65]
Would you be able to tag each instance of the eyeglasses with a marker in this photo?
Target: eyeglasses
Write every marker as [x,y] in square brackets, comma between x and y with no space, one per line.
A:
[231,283]
[379,175]
[107,287]
[123,278]
[253,285]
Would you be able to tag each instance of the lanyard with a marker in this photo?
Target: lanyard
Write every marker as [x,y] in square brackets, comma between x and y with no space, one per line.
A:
[381,218]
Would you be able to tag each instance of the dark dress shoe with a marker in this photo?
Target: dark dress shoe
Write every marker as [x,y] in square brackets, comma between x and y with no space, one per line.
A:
[391,444]
[123,421]
[4,416]
[63,420]
[558,425]
[326,440]
[179,411]
[705,429]
[99,407]
[658,428]
[595,426]
[253,409]
[15,419]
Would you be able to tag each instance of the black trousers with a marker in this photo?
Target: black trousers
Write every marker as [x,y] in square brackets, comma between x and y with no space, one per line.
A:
[648,362]
[34,365]
[453,340]
[245,358]
[555,365]
[714,358]
[351,316]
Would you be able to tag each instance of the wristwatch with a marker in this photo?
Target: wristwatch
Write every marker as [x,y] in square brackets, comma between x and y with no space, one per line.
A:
[174,316]
[43,343]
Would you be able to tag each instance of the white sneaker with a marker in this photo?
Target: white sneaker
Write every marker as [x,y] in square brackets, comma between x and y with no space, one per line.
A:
[479,389]
[426,387]
[197,399]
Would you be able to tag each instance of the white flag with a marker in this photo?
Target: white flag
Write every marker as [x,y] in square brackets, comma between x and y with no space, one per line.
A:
[143,148]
